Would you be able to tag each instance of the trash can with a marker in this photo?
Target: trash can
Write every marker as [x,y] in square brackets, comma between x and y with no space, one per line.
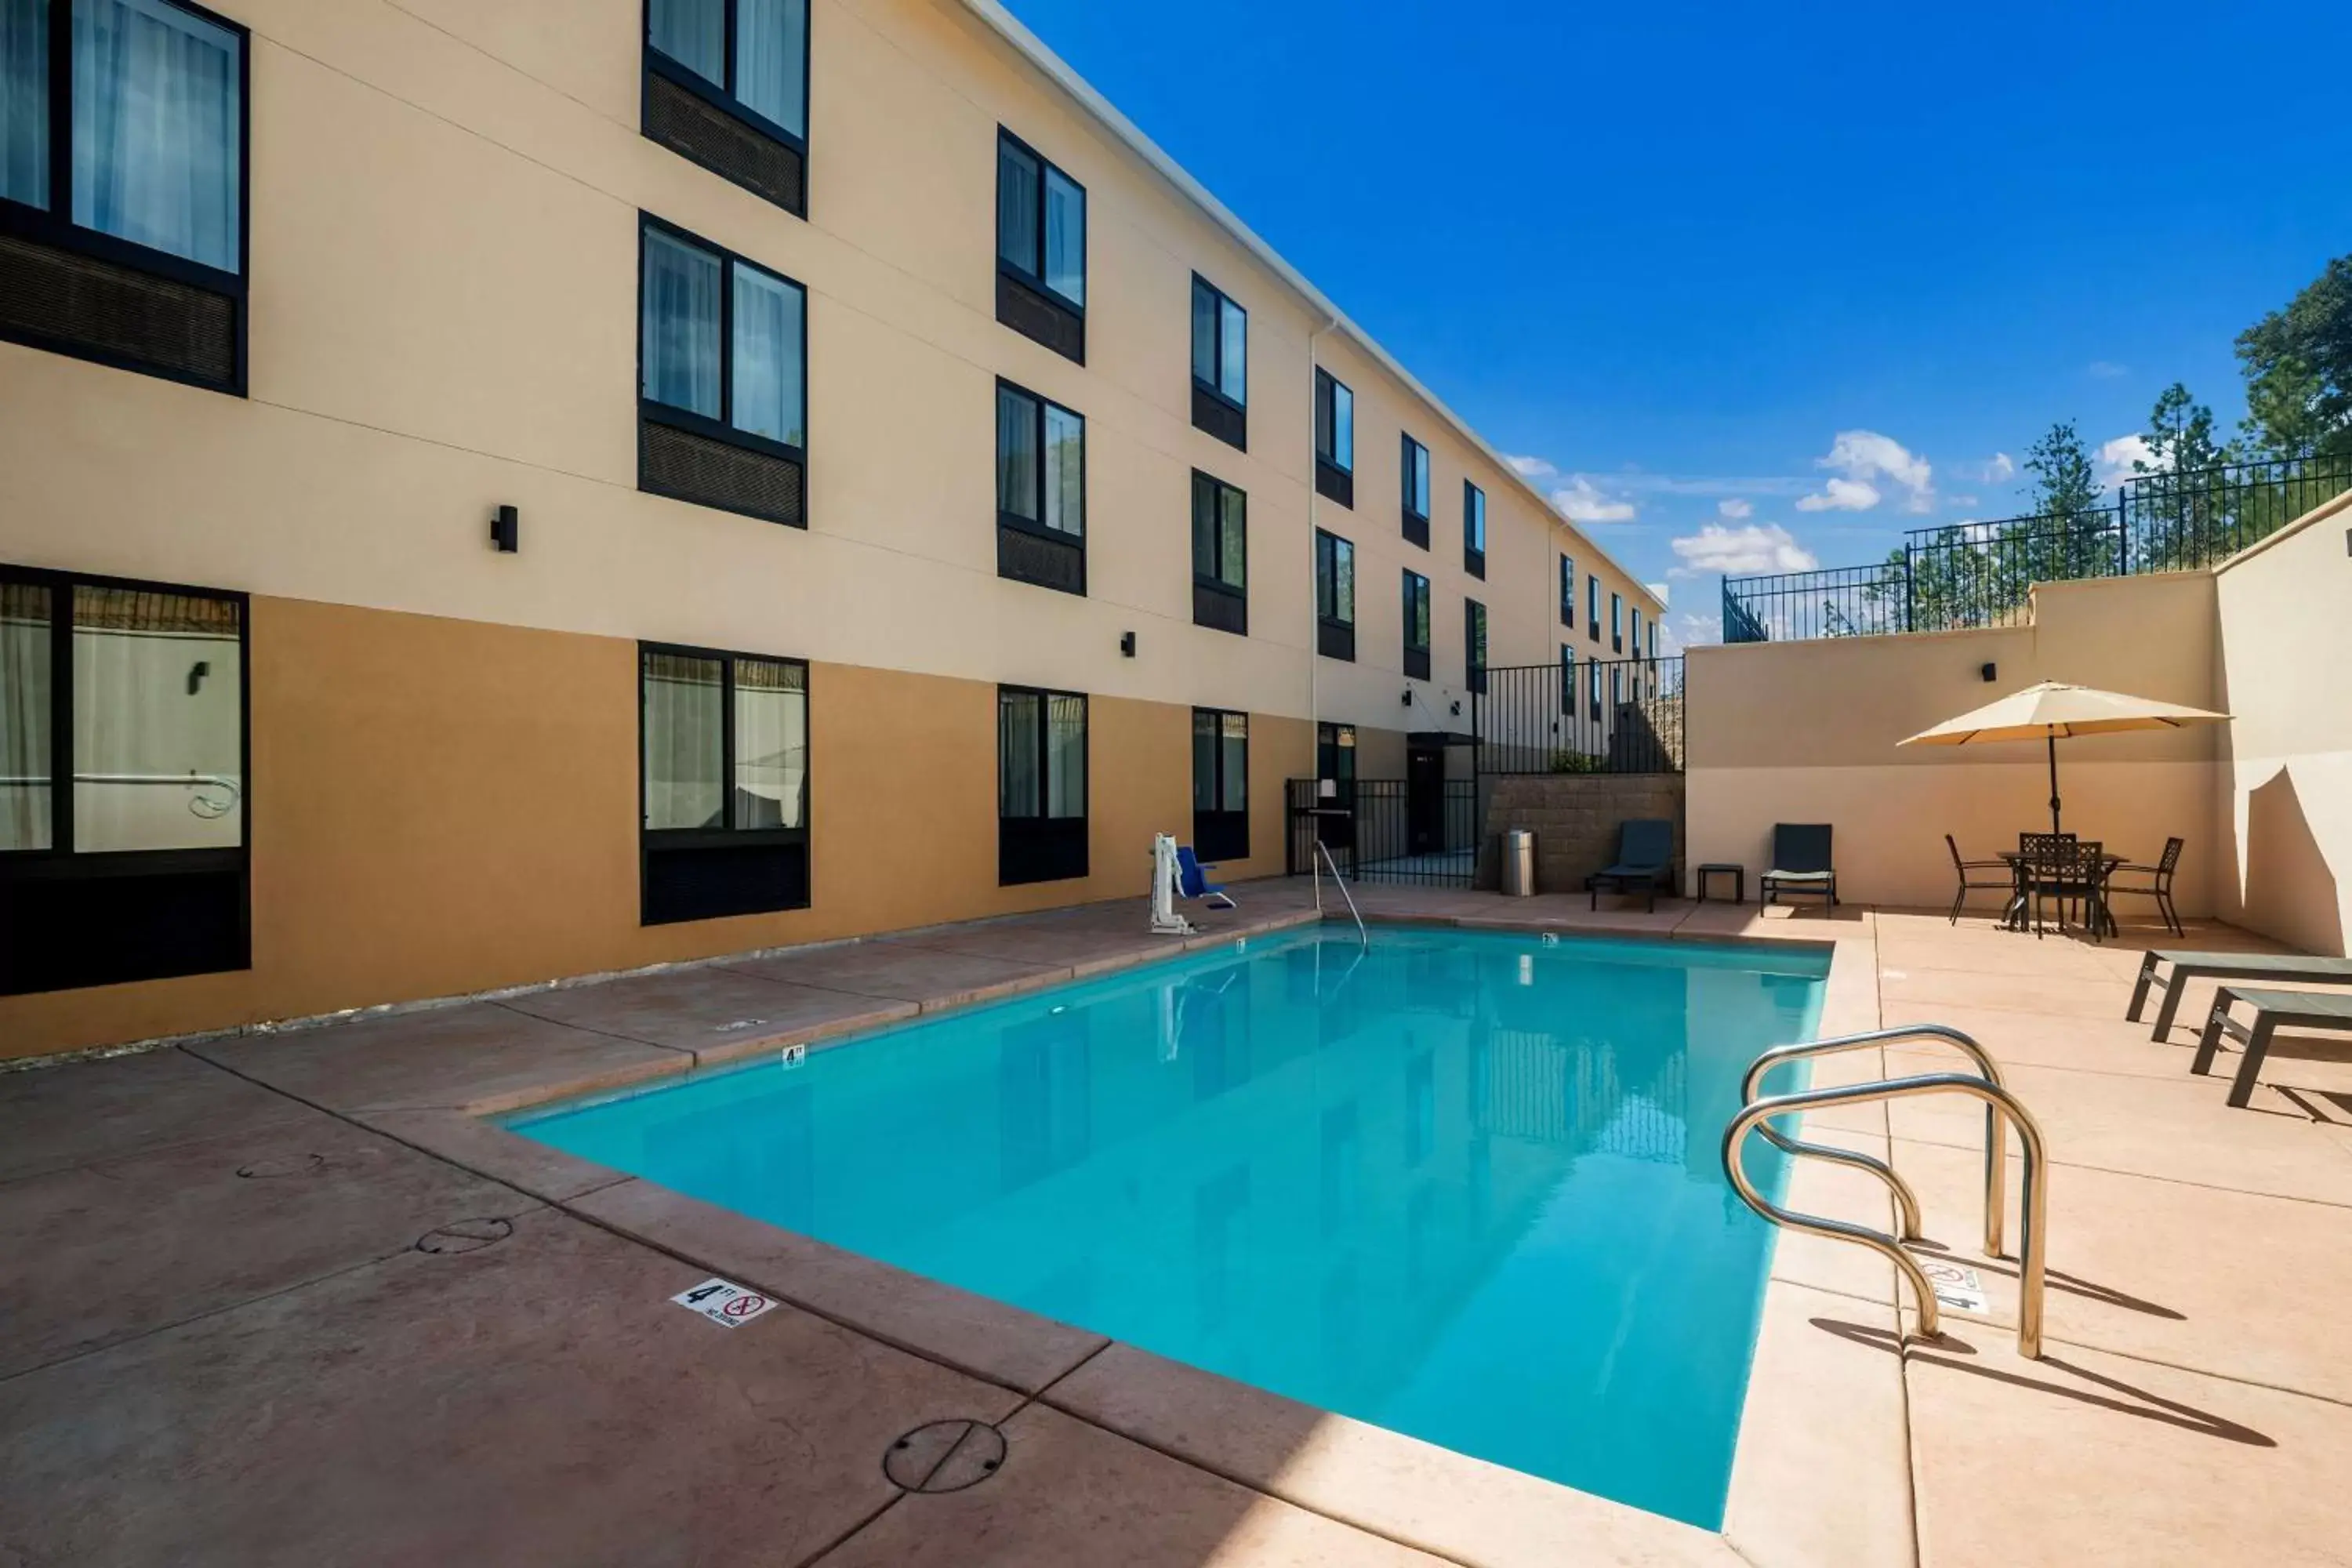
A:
[1518,862]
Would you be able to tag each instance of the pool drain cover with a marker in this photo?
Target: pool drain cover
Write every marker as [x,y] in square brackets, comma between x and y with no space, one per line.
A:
[466,1236]
[284,1166]
[944,1457]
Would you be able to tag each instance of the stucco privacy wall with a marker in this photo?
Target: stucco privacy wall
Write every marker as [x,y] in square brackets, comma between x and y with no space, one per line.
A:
[1807,731]
[443,806]
[2286,816]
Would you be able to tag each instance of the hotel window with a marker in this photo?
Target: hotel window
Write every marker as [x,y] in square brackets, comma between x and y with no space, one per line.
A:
[1220,555]
[1473,641]
[1637,631]
[1592,605]
[123,827]
[1219,364]
[1335,597]
[123,146]
[722,379]
[725,744]
[1041,249]
[1413,467]
[1567,591]
[1041,491]
[1041,785]
[1568,679]
[1335,757]
[1617,623]
[1416,626]
[1474,530]
[1654,638]
[1220,784]
[727,85]
[1335,439]
[1592,688]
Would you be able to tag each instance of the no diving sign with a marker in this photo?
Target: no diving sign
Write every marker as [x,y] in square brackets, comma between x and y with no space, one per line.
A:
[730,1306]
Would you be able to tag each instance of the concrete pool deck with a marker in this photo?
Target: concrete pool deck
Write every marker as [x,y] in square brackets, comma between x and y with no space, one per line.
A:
[285,1297]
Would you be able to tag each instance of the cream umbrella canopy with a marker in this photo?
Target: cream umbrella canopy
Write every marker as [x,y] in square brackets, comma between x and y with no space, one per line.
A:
[2052,710]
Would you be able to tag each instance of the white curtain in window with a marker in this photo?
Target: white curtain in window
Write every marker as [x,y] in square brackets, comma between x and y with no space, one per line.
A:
[1235,728]
[770,744]
[1066,745]
[771,44]
[1205,761]
[1233,565]
[1065,238]
[768,317]
[25,103]
[1016,454]
[1066,471]
[1016,207]
[683,741]
[25,757]
[158,721]
[680,335]
[1018,752]
[694,33]
[155,153]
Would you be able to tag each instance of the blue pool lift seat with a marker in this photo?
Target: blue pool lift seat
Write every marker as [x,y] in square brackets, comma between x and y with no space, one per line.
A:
[1193,880]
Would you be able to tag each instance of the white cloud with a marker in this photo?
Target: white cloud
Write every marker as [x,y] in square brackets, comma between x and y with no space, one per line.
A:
[1840,495]
[1532,468]
[1688,630]
[2118,458]
[2107,370]
[2002,466]
[1581,501]
[1759,547]
[1735,509]
[1661,592]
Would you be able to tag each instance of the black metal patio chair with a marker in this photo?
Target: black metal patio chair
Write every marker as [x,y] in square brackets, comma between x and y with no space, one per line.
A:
[2158,885]
[2058,865]
[2007,884]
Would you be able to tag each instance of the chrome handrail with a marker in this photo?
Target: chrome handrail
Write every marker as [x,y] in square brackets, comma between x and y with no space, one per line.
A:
[2033,1208]
[1324,849]
[1996,1162]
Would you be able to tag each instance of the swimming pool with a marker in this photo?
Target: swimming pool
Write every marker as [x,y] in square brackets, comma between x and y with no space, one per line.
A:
[1461,1185]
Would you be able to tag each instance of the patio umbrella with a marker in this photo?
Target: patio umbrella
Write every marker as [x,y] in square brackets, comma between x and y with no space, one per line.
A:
[2051,710]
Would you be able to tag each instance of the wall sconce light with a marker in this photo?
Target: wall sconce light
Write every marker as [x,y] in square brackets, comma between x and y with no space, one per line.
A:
[1457,707]
[1126,644]
[197,673]
[1408,696]
[1988,672]
[505,530]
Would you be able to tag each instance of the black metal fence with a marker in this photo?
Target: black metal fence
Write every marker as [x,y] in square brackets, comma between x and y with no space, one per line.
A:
[1970,575]
[1387,830]
[1581,716]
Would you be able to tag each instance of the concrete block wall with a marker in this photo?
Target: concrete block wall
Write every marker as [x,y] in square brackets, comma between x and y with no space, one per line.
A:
[1575,818]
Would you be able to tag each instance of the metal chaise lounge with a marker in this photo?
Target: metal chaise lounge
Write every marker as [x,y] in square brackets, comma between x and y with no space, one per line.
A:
[1645,861]
[2296,1009]
[2186,966]
[1800,862]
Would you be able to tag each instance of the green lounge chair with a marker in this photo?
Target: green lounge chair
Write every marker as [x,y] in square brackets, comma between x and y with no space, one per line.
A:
[2186,966]
[2296,1009]
[1800,862]
[1645,861]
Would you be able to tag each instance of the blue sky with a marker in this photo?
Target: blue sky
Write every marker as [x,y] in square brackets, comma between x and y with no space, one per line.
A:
[1674,251]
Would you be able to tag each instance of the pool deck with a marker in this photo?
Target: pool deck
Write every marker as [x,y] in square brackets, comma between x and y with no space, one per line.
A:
[285,1298]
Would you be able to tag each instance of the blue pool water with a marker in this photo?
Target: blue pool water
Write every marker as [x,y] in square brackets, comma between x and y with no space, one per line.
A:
[1465,1186]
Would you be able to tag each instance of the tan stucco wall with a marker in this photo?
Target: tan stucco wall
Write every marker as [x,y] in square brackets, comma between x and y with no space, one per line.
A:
[2286,815]
[1807,731]
[442,806]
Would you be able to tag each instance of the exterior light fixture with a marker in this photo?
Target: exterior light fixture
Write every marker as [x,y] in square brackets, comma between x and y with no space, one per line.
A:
[1408,696]
[1126,644]
[1988,672]
[505,530]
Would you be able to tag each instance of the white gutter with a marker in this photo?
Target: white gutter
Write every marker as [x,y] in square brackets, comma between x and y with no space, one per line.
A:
[1057,70]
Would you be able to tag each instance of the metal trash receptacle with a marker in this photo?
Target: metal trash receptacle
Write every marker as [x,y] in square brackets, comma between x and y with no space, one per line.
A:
[1519,862]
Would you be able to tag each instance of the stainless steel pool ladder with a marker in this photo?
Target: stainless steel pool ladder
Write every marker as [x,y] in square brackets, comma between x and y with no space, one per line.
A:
[2001,1109]
[1324,851]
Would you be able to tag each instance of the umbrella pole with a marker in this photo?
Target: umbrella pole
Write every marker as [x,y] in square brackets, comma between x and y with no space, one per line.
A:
[2053,782]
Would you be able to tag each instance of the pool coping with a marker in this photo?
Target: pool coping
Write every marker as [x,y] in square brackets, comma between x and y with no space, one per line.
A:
[1795,1424]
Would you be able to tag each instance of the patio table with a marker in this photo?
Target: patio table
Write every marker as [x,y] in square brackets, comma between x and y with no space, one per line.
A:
[2014,917]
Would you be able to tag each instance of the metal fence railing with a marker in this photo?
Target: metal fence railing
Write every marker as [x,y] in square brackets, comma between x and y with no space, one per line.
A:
[1982,573]
[1581,716]
[1387,830]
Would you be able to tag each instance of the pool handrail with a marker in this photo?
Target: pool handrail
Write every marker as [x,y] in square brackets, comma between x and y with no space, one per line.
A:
[1995,1163]
[1324,850]
[2034,1207]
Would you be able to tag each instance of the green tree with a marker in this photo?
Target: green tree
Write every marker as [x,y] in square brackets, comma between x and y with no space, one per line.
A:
[2298,369]
[2180,510]
[2072,532]
[2066,482]
[2180,436]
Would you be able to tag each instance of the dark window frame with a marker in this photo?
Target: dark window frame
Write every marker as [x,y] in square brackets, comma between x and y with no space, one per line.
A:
[1226,607]
[1334,635]
[1568,679]
[1211,839]
[1592,605]
[1416,597]
[722,98]
[1474,530]
[1334,481]
[1037,528]
[1616,622]
[1474,645]
[53,225]
[61,864]
[1414,465]
[721,429]
[1024,839]
[1224,416]
[1567,590]
[653,842]
[1034,284]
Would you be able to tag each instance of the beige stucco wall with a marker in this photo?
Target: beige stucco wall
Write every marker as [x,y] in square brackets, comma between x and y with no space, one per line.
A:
[2284,818]
[1807,731]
